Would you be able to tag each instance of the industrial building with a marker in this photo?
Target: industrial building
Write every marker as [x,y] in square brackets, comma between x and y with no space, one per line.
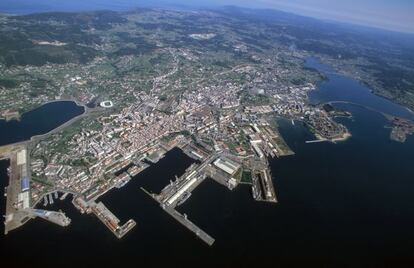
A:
[23,200]
[24,183]
[257,149]
[181,191]
[227,165]
[21,157]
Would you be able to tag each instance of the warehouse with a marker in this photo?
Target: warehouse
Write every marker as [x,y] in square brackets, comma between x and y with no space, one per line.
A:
[21,157]
[24,184]
[23,200]
[227,165]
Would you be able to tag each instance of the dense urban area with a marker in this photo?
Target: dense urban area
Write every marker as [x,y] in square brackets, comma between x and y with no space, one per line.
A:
[210,83]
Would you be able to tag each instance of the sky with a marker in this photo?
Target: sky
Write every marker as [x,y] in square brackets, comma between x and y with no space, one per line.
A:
[396,15]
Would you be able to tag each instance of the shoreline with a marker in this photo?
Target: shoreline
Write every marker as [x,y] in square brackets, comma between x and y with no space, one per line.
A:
[17,115]
[344,137]
[86,112]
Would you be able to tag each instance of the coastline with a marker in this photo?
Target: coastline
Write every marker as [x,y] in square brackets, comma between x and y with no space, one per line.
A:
[344,137]
[86,112]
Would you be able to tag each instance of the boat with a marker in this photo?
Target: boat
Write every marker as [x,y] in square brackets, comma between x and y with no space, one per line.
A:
[122,183]
[64,196]
[50,199]
[183,198]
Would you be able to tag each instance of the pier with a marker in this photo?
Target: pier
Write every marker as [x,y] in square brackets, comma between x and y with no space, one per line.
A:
[183,220]
[55,217]
[110,220]
[63,197]
[189,225]
[316,141]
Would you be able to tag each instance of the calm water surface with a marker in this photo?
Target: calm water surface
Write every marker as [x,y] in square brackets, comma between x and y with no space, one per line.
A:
[38,121]
[341,88]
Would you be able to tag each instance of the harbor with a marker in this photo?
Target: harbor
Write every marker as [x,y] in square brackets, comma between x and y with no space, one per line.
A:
[221,167]
[19,209]
[177,192]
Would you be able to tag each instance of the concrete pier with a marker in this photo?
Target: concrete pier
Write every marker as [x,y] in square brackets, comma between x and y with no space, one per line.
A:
[183,220]
[110,220]
[55,217]
[316,141]
[189,225]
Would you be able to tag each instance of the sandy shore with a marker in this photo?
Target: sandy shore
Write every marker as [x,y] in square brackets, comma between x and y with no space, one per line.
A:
[344,137]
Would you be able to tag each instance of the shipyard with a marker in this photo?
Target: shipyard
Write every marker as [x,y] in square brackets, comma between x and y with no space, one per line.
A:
[214,162]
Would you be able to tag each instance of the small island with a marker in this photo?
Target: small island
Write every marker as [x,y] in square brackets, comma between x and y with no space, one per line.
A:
[401,128]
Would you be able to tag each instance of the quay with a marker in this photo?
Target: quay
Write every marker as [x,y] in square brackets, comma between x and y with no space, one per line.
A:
[110,220]
[58,218]
[17,191]
[174,194]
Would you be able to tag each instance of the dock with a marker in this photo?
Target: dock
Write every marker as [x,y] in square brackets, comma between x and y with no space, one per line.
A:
[262,186]
[110,220]
[182,188]
[183,220]
[189,225]
[55,217]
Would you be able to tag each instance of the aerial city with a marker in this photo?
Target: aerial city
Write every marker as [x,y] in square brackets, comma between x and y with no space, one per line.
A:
[201,129]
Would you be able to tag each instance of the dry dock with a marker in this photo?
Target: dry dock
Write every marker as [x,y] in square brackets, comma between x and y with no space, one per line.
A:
[262,186]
